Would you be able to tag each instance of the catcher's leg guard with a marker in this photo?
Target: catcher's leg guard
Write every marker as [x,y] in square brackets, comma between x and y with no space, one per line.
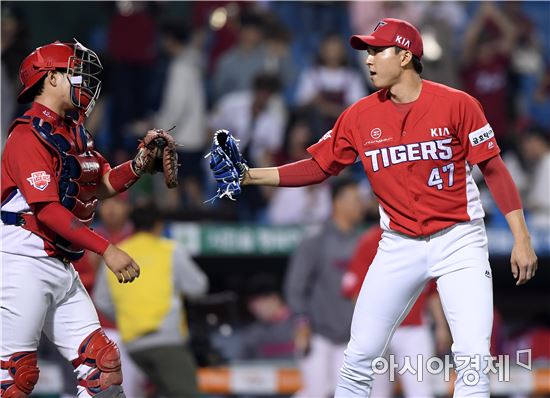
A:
[101,355]
[23,370]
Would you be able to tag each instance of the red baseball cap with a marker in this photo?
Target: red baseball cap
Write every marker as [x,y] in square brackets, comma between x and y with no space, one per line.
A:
[391,32]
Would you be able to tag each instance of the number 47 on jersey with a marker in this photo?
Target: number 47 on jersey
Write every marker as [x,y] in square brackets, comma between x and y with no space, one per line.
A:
[436,176]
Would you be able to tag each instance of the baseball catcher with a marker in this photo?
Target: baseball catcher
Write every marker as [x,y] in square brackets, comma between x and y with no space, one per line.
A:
[157,153]
[227,164]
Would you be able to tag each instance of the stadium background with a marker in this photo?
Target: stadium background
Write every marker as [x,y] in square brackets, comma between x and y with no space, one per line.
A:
[233,241]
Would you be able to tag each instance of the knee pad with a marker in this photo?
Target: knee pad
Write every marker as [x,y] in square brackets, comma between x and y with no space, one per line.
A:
[23,370]
[101,354]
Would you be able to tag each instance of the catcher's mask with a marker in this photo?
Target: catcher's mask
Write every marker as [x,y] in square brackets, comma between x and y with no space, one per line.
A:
[81,64]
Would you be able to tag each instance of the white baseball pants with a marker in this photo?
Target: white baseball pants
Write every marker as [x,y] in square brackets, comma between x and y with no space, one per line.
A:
[457,258]
[43,294]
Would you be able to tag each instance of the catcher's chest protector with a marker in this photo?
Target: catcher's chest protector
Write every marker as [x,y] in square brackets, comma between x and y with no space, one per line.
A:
[78,171]
[79,168]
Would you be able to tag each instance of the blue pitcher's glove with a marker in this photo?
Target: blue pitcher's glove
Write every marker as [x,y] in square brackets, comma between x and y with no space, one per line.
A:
[227,165]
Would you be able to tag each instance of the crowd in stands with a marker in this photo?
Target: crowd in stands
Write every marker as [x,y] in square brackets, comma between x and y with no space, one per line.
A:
[277,74]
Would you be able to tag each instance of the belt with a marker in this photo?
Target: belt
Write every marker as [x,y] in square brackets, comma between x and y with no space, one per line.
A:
[11,218]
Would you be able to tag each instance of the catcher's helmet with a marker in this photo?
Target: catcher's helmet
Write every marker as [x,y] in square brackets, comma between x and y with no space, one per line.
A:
[80,63]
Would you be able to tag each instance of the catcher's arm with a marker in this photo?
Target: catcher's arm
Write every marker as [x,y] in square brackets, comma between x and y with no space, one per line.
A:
[117,180]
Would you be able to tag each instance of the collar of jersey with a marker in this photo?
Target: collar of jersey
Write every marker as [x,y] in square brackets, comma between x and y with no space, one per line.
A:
[45,113]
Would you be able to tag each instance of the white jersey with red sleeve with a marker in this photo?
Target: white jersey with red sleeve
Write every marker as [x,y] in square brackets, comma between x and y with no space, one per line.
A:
[29,175]
[418,162]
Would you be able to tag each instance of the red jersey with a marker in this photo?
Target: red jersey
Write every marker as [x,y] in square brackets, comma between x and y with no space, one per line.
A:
[418,162]
[359,266]
[30,174]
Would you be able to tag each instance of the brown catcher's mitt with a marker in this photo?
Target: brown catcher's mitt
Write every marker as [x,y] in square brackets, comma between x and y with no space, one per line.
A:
[157,152]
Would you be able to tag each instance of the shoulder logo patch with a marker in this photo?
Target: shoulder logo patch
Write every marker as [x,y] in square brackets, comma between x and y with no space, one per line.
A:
[39,180]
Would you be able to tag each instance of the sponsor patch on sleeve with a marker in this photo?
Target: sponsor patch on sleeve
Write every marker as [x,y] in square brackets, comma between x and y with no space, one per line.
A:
[482,135]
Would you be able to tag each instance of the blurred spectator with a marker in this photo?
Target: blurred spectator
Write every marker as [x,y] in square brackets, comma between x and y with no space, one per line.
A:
[13,39]
[216,24]
[114,217]
[440,23]
[154,331]
[535,146]
[183,106]
[488,43]
[14,42]
[539,103]
[327,88]
[236,68]
[527,64]
[257,117]
[308,22]
[413,337]
[298,205]
[279,60]
[8,104]
[298,138]
[132,34]
[271,336]
[131,42]
[313,292]
[114,226]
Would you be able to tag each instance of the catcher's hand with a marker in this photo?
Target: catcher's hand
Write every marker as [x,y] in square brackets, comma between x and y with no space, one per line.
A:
[227,165]
[157,152]
[122,265]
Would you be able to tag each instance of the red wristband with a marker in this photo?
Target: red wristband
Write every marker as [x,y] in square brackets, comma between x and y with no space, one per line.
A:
[122,177]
